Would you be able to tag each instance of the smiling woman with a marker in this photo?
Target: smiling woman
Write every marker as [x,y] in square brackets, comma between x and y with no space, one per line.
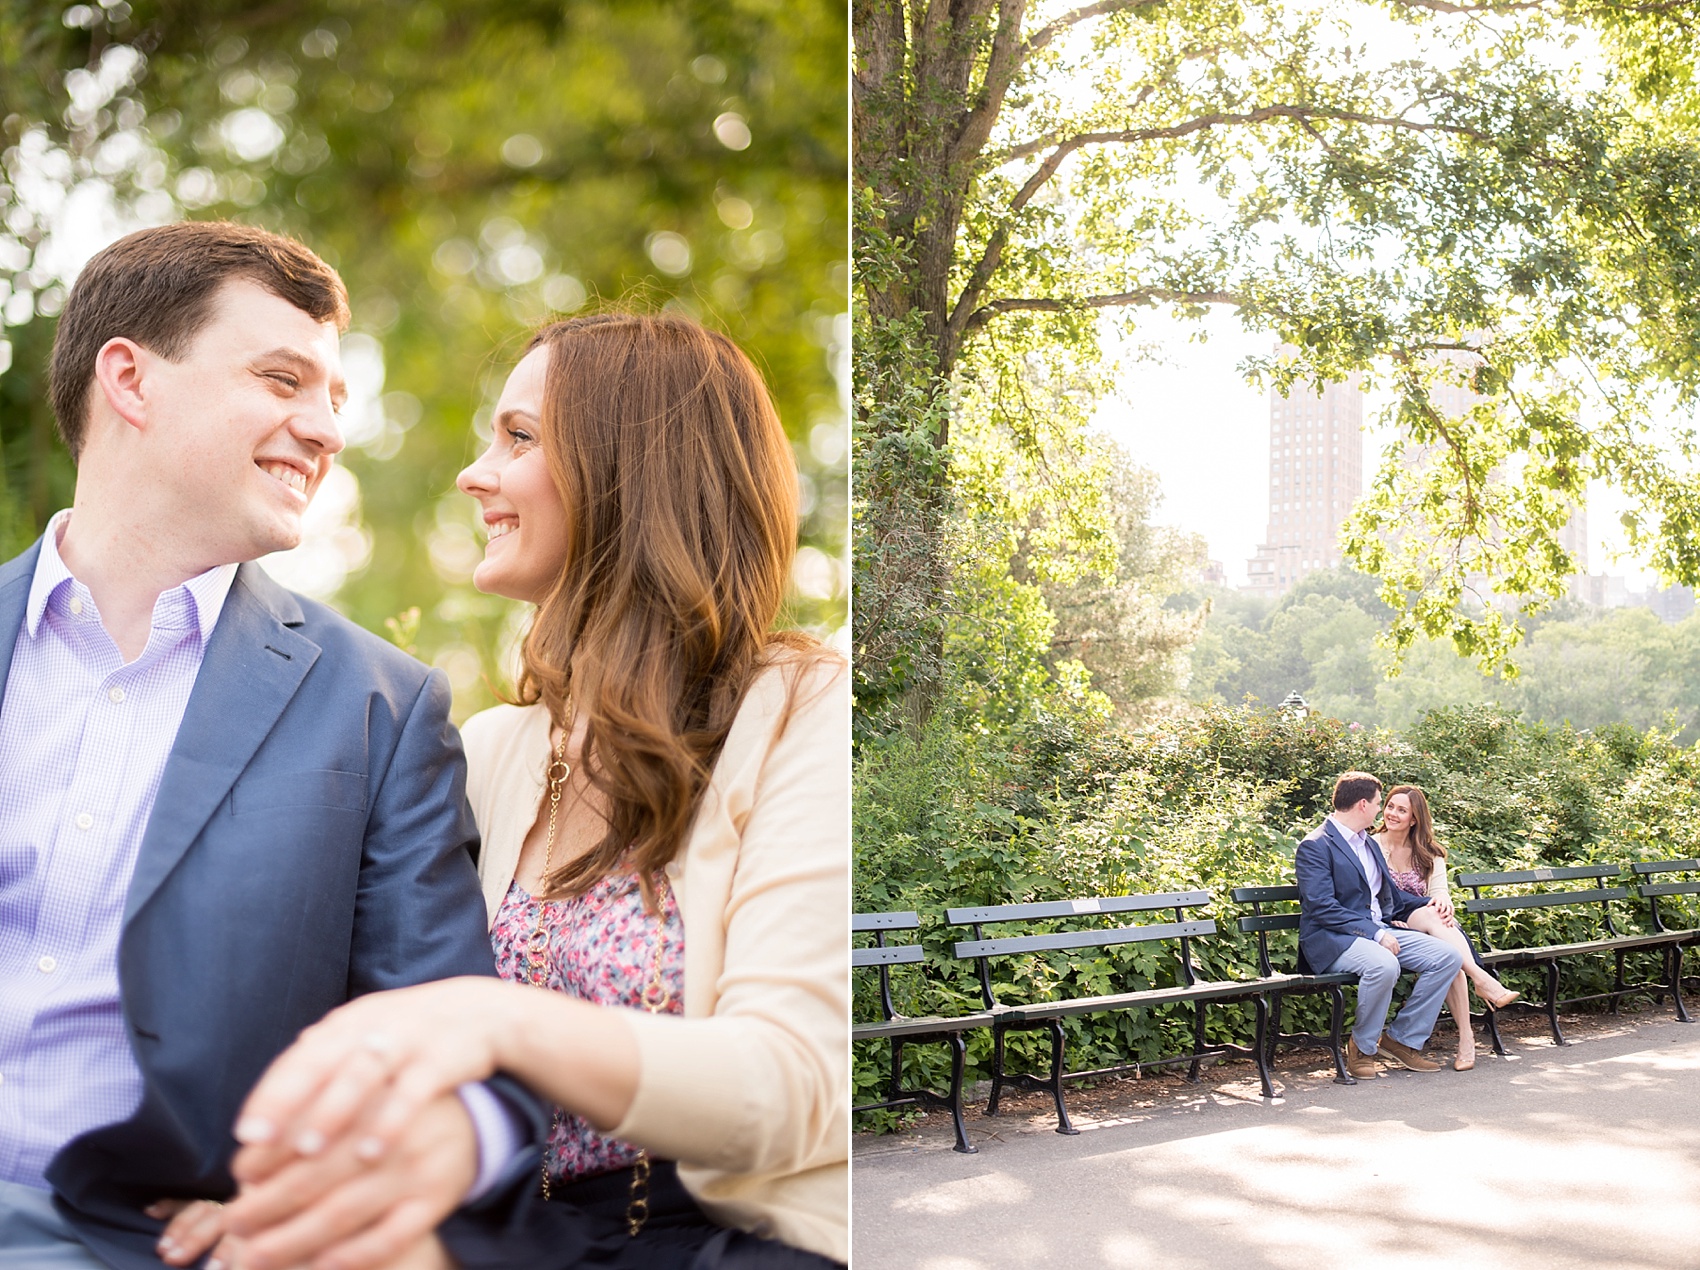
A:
[523,518]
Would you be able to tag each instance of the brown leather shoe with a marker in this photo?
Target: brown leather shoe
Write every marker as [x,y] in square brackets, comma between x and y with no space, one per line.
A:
[1359,1064]
[1407,1056]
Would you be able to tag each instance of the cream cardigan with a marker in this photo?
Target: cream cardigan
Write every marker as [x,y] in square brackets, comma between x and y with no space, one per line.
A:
[749,1091]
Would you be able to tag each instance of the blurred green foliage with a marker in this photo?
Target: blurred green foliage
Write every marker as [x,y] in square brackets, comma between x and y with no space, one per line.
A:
[470,168]
[1578,665]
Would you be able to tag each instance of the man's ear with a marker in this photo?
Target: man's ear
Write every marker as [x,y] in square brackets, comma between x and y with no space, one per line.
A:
[120,372]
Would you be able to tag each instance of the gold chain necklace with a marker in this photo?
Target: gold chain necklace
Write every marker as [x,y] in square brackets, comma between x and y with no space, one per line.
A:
[656,996]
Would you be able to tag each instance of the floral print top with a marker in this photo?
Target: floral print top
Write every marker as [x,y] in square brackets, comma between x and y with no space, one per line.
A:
[602,950]
[1409,880]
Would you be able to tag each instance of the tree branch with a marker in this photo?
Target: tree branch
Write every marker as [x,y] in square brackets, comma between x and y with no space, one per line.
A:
[1121,299]
[968,314]
[1045,34]
[1001,65]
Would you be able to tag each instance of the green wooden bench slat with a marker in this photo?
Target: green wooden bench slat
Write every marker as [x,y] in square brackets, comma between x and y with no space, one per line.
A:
[1549,900]
[884,921]
[917,1027]
[1069,939]
[1552,952]
[1202,991]
[1552,899]
[897,955]
[1565,874]
[1264,894]
[1667,866]
[1668,888]
[1076,908]
[1270,921]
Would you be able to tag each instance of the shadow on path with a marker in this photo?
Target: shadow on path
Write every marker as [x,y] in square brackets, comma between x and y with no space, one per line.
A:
[1586,1156]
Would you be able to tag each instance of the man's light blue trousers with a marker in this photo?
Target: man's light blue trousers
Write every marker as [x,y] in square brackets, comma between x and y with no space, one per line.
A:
[1436,964]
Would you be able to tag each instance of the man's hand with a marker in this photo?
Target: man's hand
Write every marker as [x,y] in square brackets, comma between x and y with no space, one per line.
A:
[338,1210]
[1388,940]
[194,1225]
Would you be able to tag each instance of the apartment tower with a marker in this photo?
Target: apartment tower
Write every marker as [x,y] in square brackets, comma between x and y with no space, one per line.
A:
[1316,466]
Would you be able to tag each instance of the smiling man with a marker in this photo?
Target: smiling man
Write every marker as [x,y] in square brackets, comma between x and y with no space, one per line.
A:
[224,809]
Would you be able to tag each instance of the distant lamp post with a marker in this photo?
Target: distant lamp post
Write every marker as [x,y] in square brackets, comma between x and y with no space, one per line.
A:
[1295,705]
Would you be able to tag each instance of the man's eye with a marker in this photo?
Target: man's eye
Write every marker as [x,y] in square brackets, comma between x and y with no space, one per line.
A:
[288,381]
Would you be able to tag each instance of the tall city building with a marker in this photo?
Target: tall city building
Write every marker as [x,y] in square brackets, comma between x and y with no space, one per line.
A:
[1316,473]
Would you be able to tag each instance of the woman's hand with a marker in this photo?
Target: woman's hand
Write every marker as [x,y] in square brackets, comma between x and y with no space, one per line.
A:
[193,1226]
[377,1061]
[337,1211]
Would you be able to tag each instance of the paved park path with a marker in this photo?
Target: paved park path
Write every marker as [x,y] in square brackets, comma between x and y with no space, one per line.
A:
[1586,1156]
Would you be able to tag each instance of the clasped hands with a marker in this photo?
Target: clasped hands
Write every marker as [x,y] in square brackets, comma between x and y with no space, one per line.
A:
[1442,907]
[354,1143]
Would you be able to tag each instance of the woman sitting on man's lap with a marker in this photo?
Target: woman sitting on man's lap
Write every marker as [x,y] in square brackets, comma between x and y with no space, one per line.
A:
[1417,864]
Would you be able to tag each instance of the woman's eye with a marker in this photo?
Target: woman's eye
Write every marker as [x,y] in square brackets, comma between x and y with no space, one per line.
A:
[520,438]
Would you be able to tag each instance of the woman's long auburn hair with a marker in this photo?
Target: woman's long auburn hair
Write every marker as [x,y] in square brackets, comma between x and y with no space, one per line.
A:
[680,493]
[1420,836]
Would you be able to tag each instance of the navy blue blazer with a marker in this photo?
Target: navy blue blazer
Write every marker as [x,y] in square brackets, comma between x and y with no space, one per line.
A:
[311,841]
[1334,898]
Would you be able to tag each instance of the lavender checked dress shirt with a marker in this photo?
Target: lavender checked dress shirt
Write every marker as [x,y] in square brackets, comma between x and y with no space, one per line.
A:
[84,739]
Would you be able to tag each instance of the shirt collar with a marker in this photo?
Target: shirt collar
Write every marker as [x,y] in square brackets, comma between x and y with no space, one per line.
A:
[1353,837]
[206,592]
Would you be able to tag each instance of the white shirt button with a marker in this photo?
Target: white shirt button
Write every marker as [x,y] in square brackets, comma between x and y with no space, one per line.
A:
[2,1078]
[117,695]
[47,965]
[76,606]
[85,821]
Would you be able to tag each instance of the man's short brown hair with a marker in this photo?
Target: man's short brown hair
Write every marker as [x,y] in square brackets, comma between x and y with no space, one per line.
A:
[1353,787]
[156,286]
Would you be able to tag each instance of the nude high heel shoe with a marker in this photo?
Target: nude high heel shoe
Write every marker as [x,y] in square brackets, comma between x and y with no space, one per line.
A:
[1495,995]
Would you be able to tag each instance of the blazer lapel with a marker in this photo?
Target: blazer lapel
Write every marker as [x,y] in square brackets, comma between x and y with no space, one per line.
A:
[15,578]
[1344,850]
[253,666]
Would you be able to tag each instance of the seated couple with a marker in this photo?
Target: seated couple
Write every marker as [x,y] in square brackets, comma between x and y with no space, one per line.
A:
[1374,906]
[238,892]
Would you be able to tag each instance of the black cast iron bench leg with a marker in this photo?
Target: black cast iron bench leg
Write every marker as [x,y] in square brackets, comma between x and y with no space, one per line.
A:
[1263,1076]
[1675,956]
[1492,1017]
[1064,1125]
[997,1071]
[958,1056]
[1197,1040]
[1336,1026]
[1552,1003]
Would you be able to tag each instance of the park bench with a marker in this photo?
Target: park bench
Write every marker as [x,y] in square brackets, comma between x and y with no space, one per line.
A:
[1281,985]
[901,1031]
[1606,937]
[1652,892]
[1070,932]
